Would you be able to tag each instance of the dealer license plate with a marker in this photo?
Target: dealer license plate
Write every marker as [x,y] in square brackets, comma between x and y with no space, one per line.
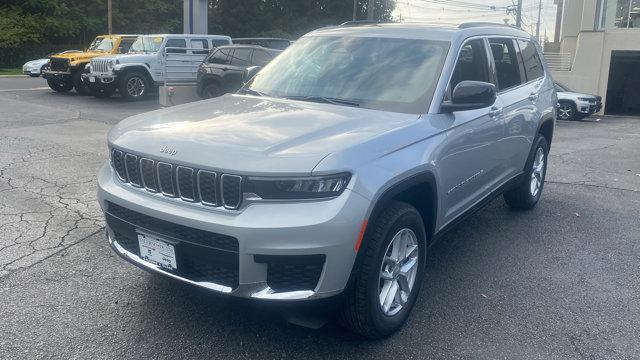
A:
[157,251]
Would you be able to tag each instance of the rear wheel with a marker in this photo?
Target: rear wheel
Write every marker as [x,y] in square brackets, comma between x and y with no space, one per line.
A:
[389,277]
[527,194]
[566,111]
[60,86]
[134,86]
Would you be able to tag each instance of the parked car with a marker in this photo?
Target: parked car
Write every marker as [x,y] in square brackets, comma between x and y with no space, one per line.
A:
[34,68]
[331,172]
[576,106]
[226,68]
[134,74]
[269,43]
[65,69]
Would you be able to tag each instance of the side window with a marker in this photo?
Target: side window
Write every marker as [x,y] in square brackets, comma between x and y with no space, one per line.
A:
[176,43]
[217,43]
[220,56]
[505,56]
[199,44]
[472,64]
[531,59]
[260,58]
[241,57]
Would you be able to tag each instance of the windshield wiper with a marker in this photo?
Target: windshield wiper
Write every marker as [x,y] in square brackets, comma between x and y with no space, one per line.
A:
[251,92]
[324,99]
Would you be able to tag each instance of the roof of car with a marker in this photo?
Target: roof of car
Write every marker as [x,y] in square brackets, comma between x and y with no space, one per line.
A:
[420,30]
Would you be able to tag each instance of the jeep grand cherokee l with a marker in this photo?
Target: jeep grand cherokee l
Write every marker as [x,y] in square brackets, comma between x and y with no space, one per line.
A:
[333,170]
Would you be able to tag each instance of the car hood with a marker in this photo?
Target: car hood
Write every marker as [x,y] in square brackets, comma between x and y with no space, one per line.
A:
[37,62]
[574,95]
[247,134]
[78,56]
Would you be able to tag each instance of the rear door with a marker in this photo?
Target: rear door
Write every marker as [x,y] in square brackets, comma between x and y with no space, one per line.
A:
[240,59]
[516,95]
[469,164]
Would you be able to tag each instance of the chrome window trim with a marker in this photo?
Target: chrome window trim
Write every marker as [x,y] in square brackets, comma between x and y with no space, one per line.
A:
[144,183]
[126,169]
[240,195]
[173,195]
[178,183]
[215,187]
[114,168]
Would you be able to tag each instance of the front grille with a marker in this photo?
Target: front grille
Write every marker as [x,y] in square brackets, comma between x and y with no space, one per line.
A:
[189,184]
[58,64]
[99,65]
[292,273]
[200,255]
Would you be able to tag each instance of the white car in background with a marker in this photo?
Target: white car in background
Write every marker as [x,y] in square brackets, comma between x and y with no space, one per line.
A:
[576,106]
[34,68]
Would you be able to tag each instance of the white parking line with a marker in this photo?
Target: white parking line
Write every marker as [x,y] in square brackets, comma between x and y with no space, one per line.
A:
[40,88]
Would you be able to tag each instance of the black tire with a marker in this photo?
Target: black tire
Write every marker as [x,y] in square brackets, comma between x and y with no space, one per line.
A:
[79,85]
[361,311]
[567,111]
[60,86]
[102,92]
[522,197]
[211,90]
[134,86]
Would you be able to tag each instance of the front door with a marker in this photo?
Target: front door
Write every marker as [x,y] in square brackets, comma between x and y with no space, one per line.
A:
[470,163]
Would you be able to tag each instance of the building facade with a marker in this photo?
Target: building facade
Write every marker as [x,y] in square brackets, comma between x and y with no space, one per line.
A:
[602,38]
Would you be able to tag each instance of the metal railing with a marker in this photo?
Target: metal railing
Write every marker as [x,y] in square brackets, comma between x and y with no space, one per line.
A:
[559,61]
[181,65]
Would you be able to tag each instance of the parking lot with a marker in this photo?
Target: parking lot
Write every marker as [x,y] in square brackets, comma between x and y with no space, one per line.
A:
[561,281]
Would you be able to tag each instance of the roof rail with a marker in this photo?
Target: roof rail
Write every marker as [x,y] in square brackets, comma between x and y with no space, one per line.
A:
[468,25]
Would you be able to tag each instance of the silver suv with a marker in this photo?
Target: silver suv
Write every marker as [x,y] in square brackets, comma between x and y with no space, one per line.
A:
[333,170]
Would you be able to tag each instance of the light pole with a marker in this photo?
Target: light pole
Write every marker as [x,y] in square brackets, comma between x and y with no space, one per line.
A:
[109,16]
[370,10]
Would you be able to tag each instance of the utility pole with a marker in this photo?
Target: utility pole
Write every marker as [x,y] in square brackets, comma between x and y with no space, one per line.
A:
[355,10]
[109,16]
[370,10]
[519,14]
[538,24]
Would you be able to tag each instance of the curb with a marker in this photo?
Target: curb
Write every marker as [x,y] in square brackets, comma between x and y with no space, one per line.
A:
[13,76]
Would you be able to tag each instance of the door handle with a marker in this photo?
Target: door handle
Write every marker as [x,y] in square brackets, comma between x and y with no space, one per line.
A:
[495,112]
[533,96]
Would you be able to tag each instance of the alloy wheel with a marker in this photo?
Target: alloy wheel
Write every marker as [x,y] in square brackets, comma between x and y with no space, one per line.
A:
[135,87]
[565,112]
[538,172]
[398,272]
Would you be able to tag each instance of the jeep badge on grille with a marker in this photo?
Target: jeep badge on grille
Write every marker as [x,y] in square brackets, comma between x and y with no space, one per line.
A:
[168,150]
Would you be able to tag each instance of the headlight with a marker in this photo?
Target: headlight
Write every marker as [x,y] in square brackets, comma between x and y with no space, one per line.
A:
[298,188]
[110,64]
[586,99]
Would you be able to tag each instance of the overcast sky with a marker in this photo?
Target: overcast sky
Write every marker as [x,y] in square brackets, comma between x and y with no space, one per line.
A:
[454,12]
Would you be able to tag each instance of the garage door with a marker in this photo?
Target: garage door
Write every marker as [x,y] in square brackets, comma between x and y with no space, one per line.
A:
[623,89]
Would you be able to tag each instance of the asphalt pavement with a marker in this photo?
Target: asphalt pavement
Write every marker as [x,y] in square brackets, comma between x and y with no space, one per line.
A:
[561,281]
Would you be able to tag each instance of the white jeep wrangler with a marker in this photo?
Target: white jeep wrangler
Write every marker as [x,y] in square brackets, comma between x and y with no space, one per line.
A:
[133,74]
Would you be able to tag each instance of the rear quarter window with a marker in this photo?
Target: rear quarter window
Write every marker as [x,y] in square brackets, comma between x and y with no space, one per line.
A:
[532,63]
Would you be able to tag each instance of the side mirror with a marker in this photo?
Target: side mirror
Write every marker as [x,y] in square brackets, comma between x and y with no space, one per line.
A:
[470,95]
[250,72]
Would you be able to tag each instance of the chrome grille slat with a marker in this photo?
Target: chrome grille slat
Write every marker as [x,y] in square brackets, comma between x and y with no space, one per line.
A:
[186,186]
[208,188]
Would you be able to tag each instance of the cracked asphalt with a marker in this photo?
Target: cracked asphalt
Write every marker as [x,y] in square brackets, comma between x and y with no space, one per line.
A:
[561,281]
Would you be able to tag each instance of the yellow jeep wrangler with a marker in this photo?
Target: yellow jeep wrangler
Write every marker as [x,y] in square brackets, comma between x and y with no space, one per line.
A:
[65,70]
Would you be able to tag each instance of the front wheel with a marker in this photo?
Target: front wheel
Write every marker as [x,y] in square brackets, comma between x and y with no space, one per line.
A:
[60,86]
[134,86]
[388,279]
[81,87]
[211,90]
[566,111]
[527,194]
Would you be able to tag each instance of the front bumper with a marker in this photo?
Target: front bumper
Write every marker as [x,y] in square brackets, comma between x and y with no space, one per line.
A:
[326,229]
[56,75]
[99,79]
[587,107]
[28,70]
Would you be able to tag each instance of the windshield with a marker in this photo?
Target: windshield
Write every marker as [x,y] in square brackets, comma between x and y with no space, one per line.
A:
[562,88]
[147,44]
[377,73]
[102,44]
